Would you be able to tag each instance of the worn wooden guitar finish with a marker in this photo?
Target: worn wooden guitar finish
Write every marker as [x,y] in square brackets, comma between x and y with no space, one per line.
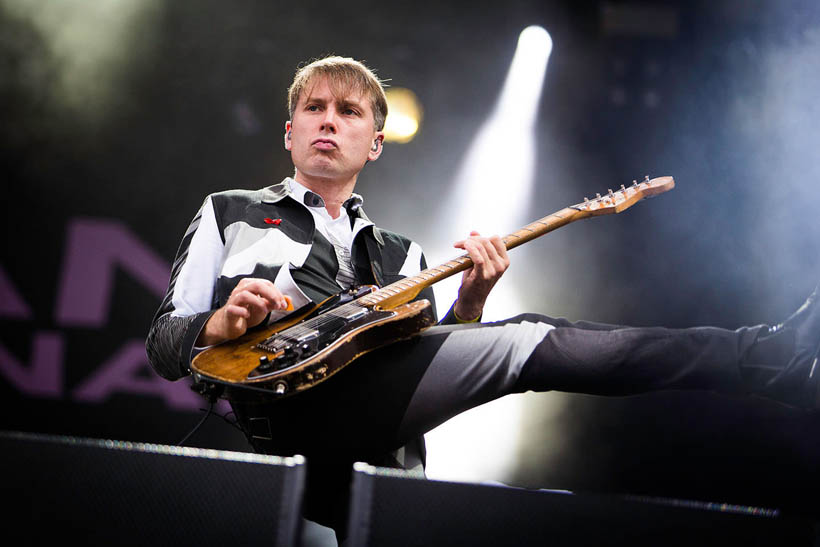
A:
[311,345]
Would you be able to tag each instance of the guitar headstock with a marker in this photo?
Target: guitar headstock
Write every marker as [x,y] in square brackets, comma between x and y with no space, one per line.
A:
[626,197]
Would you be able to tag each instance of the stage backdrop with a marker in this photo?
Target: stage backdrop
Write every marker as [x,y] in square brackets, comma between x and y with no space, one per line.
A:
[119,118]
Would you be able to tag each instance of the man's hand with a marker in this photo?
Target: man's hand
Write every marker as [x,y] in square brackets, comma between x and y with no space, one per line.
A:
[490,261]
[248,305]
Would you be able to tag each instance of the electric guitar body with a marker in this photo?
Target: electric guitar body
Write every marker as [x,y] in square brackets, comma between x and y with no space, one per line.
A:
[298,353]
[311,345]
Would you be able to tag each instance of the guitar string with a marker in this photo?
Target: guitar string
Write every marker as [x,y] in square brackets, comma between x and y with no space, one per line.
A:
[306,327]
[313,324]
[310,325]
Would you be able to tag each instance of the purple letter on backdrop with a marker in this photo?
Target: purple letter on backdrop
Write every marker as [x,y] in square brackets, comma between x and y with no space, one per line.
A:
[44,377]
[12,304]
[120,374]
[93,249]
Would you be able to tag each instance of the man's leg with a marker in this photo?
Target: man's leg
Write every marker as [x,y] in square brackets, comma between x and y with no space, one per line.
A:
[778,362]
[537,353]
[395,394]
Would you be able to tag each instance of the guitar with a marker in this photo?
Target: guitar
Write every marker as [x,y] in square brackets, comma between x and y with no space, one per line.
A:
[311,345]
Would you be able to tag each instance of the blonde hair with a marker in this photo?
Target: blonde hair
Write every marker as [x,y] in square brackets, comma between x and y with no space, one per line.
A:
[344,75]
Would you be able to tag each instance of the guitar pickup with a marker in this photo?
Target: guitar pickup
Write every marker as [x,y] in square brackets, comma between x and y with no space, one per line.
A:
[354,314]
[282,343]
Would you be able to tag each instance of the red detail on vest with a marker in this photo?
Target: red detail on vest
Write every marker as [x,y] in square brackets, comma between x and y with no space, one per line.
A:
[276,221]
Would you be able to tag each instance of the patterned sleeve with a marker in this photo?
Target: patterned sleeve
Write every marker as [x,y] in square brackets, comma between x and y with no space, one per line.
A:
[187,304]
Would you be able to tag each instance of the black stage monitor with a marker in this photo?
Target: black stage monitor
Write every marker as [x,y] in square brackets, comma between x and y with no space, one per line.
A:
[103,492]
[397,508]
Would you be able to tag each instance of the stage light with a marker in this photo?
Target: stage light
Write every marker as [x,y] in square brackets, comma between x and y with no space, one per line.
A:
[404,115]
[491,195]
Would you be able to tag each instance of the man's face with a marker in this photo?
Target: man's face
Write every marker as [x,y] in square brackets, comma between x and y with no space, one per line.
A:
[331,137]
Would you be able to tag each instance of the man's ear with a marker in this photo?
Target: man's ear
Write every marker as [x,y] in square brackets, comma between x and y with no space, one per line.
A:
[378,146]
[288,130]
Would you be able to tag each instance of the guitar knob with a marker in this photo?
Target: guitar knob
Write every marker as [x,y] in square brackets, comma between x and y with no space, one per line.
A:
[264,363]
[280,388]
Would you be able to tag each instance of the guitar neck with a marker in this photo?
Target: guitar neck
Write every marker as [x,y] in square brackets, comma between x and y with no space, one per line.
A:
[407,289]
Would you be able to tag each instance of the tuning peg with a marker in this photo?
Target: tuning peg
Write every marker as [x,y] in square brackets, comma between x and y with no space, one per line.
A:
[634,182]
[586,199]
[610,192]
[597,195]
[646,178]
[623,188]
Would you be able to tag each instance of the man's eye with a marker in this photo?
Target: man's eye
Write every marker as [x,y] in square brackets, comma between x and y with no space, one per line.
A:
[350,112]
[312,107]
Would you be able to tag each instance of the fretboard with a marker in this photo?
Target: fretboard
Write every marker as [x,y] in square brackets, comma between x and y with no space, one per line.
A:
[406,289]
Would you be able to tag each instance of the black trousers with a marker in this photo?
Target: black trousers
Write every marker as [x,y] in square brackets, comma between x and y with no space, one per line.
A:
[390,397]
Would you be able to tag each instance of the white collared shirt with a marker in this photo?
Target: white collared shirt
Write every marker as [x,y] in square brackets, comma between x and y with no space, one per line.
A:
[338,231]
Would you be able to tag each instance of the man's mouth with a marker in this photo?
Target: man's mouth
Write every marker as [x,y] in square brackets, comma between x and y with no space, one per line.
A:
[325,144]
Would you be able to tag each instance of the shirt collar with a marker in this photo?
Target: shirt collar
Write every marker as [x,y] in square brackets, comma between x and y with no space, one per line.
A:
[289,187]
[301,194]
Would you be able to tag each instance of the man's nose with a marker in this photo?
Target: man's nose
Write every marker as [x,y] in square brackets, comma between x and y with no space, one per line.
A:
[329,122]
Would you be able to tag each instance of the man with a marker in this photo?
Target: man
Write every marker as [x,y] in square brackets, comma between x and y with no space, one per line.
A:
[249,258]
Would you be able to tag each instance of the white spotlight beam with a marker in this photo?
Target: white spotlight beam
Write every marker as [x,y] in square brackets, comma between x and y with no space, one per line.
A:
[490,195]
[522,89]
[492,189]
[497,172]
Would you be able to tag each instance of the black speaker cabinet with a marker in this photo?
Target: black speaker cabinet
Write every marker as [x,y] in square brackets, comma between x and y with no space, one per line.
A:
[103,492]
[390,507]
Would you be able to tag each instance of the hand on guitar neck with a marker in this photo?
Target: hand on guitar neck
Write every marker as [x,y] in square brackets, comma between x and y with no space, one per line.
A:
[490,261]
